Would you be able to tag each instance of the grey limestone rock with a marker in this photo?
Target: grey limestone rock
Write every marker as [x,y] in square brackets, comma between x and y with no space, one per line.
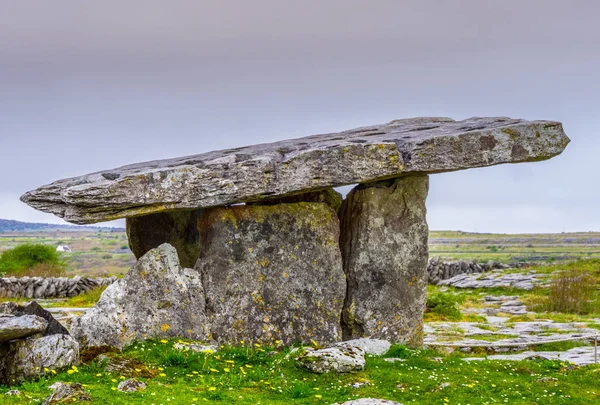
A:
[33,308]
[22,360]
[272,273]
[332,359]
[19,327]
[131,385]
[384,247]
[67,393]
[374,347]
[415,145]
[370,401]
[156,298]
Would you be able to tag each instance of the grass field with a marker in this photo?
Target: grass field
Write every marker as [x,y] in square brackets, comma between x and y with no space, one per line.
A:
[269,375]
[241,375]
[107,253]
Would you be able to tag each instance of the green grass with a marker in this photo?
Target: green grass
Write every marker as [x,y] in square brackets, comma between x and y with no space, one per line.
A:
[88,299]
[256,376]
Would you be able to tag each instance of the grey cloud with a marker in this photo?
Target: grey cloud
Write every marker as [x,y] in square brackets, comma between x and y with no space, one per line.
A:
[93,85]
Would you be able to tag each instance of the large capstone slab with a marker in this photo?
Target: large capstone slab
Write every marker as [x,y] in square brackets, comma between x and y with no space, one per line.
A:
[385,253]
[156,298]
[272,273]
[416,145]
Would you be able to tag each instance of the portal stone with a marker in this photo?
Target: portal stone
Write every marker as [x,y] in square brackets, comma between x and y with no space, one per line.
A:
[177,228]
[272,273]
[384,247]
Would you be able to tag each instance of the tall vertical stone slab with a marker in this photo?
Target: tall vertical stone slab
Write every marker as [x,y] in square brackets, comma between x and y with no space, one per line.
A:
[177,228]
[272,273]
[384,248]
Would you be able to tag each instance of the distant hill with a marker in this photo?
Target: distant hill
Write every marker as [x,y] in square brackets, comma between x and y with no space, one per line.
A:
[7,225]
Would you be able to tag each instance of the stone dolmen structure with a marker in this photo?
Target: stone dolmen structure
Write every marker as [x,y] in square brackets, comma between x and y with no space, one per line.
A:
[253,244]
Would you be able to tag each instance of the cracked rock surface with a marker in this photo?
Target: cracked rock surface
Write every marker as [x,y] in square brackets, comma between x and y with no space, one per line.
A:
[251,173]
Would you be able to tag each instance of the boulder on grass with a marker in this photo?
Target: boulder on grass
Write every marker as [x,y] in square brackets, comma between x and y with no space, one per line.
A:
[332,359]
[22,360]
[156,298]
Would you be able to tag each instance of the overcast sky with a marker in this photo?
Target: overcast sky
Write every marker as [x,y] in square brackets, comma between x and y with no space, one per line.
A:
[86,86]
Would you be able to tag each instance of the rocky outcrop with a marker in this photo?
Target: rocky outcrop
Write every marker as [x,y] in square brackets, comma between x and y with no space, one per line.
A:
[384,248]
[156,298]
[32,342]
[416,145]
[50,287]
[272,273]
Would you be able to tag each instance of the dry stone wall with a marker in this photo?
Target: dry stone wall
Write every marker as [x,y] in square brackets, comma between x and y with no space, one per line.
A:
[49,287]
[438,271]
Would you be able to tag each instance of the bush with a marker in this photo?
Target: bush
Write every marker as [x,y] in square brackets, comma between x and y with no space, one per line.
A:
[28,258]
[445,304]
[572,291]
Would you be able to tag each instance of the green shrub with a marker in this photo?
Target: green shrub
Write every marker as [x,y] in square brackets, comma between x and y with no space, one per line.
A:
[24,258]
[445,305]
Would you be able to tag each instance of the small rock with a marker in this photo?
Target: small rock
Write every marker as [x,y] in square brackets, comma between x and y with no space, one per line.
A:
[197,348]
[131,385]
[359,384]
[394,360]
[19,327]
[546,379]
[337,359]
[67,392]
[370,401]
[374,347]
[13,393]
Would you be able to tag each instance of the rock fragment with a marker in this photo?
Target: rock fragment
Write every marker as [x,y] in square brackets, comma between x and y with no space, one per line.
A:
[67,393]
[156,298]
[332,359]
[131,385]
[20,327]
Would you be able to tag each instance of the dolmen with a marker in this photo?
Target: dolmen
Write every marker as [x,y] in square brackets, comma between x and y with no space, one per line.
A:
[254,245]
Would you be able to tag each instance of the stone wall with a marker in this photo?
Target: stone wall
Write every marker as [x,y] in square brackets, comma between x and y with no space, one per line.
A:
[438,270]
[51,287]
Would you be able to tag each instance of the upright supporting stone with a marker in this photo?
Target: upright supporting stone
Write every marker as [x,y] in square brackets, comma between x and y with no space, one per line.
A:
[384,248]
[177,228]
[272,273]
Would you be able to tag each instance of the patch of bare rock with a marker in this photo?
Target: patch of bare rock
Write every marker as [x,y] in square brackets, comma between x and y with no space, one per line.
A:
[67,393]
